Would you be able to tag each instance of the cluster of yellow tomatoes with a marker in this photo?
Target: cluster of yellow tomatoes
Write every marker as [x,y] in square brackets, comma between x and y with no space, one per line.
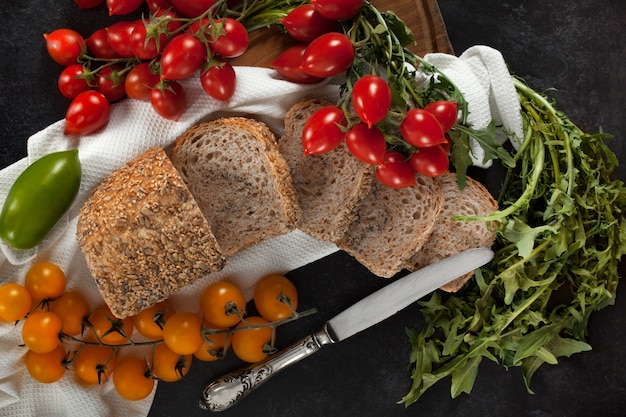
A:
[61,331]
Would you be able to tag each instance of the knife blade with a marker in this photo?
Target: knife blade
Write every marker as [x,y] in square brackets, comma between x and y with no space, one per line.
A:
[227,390]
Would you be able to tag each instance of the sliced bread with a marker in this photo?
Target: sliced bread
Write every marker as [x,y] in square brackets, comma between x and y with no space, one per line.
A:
[143,236]
[240,180]
[451,236]
[391,225]
[329,186]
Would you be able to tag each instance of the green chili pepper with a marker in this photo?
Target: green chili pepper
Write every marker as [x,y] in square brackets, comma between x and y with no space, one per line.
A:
[39,197]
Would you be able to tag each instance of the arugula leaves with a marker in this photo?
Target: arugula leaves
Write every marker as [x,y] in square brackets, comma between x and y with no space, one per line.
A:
[561,232]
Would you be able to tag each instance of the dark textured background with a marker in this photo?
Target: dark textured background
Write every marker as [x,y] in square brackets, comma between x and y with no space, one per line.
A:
[576,47]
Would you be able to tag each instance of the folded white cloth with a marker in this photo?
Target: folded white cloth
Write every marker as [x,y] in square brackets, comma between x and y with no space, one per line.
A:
[134,127]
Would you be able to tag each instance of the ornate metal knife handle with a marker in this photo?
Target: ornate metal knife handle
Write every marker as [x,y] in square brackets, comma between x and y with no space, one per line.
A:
[223,392]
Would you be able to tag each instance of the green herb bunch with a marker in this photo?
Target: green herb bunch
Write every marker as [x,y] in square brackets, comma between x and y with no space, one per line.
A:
[560,237]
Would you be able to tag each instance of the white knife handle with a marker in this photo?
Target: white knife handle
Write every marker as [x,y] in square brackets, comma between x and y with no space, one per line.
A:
[223,392]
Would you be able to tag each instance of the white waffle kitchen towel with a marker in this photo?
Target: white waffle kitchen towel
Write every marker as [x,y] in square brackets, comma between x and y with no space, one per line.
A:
[134,127]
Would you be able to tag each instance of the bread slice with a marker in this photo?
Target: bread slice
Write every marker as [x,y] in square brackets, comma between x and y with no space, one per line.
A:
[330,185]
[239,179]
[392,224]
[453,236]
[143,236]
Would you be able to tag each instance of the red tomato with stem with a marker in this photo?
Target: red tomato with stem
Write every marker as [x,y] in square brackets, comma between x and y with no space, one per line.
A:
[99,46]
[182,57]
[421,129]
[110,82]
[287,63]
[337,9]
[118,36]
[328,55]
[65,46]
[192,8]
[121,7]
[324,130]
[431,162]
[367,144]
[219,81]
[140,81]
[88,112]
[169,101]
[371,99]
[446,112]
[229,38]
[146,47]
[395,171]
[72,81]
[88,4]
[304,23]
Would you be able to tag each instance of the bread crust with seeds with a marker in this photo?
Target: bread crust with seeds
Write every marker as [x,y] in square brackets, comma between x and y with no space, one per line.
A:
[143,236]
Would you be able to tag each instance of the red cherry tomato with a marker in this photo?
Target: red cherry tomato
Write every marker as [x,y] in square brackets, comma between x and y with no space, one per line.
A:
[304,23]
[231,40]
[371,99]
[120,7]
[192,8]
[169,102]
[65,46]
[366,144]
[158,5]
[287,63]
[445,112]
[323,132]
[182,57]
[118,36]
[328,55]
[110,82]
[337,9]
[395,171]
[421,129]
[219,81]
[140,81]
[431,162]
[143,49]
[99,46]
[71,81]
[88,112]
[88,4]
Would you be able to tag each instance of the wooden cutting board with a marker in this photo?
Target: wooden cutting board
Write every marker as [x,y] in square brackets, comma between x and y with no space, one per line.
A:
[422,17]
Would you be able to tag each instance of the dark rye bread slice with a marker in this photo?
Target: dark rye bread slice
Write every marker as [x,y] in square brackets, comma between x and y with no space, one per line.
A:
[143,236]
[239,179]
[453,236]
[391,225]
[329,186]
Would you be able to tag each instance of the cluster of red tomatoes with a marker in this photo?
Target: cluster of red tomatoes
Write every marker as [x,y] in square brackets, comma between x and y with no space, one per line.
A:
[145,59]
[422,132]
[62,332]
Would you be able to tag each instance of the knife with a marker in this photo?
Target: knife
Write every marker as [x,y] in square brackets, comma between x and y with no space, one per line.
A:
[224,392]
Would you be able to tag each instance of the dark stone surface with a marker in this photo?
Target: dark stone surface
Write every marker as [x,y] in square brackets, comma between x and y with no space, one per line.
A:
[576,47]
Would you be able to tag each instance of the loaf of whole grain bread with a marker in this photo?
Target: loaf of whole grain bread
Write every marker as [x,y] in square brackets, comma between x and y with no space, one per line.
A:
[329,186]
[240,180]
[143,236]
[450,236]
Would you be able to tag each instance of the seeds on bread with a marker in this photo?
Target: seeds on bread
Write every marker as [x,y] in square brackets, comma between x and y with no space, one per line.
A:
[143,236]
[391,225]
[240,180]
[451,236]
[329,186]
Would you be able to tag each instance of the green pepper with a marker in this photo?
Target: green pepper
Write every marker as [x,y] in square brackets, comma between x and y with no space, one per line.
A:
[39,197]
